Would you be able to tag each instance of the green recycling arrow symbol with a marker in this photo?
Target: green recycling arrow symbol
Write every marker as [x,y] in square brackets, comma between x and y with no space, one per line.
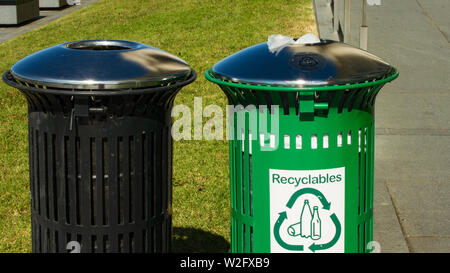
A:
[276,232]
[283,216]
[326,205]
[333,241]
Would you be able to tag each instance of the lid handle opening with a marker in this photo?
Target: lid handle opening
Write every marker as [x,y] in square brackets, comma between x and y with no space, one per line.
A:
[99,45]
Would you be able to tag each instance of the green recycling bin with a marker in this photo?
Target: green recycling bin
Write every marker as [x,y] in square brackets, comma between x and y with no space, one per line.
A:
[301,144]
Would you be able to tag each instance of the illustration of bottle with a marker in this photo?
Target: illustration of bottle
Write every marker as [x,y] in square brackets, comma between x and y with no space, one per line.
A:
[305,220]
[316,225]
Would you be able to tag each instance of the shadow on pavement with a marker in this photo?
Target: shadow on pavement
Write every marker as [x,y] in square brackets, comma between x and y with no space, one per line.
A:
[23,23]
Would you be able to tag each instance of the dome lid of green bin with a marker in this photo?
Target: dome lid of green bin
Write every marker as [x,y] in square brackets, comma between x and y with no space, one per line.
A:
[323,63]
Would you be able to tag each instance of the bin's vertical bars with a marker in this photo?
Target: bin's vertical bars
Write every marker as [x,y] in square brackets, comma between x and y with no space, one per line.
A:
[121,158]
[361,236]
[233,173]
[85,240]
[251,239]
[40,249]
[106,184]
[246,177]
[131,178]
[366,169]
[165,183]
[371,151]
[152,188]
[93,180]
[138,189]
[237,185]
[40,187]
[231,146]
[99,177]
[44,173]
[49,241]
[243,165]
[78,185]
[120,242]
[250,174]
[86,178]
[244,239]
[363,171]
[144,181]
[31,174]
[132,242]
[359,172]
[37,173]
[72,183]
[50,177]
[67,189]
[158,190]
[126,181]
[239,173]
[369,167]
[113,191]
[160,221]
[61,166]
[86,187]
[169,186]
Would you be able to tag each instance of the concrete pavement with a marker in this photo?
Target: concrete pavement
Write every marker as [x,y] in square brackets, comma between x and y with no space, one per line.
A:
[412,165]
[46,16]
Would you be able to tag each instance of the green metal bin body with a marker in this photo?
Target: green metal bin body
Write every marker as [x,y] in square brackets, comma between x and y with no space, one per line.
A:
[301,159]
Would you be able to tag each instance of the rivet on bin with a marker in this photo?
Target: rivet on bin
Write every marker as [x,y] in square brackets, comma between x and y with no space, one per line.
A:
[100,147]
[310,187]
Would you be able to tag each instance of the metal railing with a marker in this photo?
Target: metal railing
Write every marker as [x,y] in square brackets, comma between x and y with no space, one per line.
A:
[341,14]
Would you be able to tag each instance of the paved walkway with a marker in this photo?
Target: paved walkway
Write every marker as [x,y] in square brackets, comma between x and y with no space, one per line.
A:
[412,166]
[46,16]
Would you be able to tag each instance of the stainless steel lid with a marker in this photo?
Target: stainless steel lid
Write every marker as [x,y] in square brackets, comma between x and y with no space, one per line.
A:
[320,64]
[101,64]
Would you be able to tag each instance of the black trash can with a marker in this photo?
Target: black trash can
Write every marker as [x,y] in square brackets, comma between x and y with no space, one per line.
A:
[100,148]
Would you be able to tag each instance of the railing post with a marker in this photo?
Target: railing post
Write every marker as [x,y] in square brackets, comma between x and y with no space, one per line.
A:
[347,10]
[363,30]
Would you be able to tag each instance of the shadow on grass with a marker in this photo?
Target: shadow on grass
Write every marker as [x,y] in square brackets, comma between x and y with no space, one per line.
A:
[192,240]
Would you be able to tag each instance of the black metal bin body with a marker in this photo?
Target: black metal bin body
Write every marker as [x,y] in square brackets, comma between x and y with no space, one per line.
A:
[100,148]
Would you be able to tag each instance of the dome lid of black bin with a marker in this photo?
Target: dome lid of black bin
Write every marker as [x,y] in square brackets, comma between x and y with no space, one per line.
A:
[320,64]
[101,64]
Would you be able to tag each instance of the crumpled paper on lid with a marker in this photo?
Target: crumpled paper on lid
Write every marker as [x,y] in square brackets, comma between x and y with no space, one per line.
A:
[277,42]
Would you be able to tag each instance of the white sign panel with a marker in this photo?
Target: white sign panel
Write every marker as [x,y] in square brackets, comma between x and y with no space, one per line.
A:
[307,210]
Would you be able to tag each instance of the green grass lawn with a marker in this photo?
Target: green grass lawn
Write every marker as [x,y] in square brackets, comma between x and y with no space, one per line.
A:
[200,32]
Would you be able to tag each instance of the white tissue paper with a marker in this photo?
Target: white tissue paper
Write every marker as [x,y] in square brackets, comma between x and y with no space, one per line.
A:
[73,2]
[277,42]
[374,2]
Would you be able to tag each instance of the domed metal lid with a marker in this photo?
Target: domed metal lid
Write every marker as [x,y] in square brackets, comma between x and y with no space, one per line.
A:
[320,64]
[101,64]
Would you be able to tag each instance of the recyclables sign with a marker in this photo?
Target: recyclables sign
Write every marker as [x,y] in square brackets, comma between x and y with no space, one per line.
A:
[307,210]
